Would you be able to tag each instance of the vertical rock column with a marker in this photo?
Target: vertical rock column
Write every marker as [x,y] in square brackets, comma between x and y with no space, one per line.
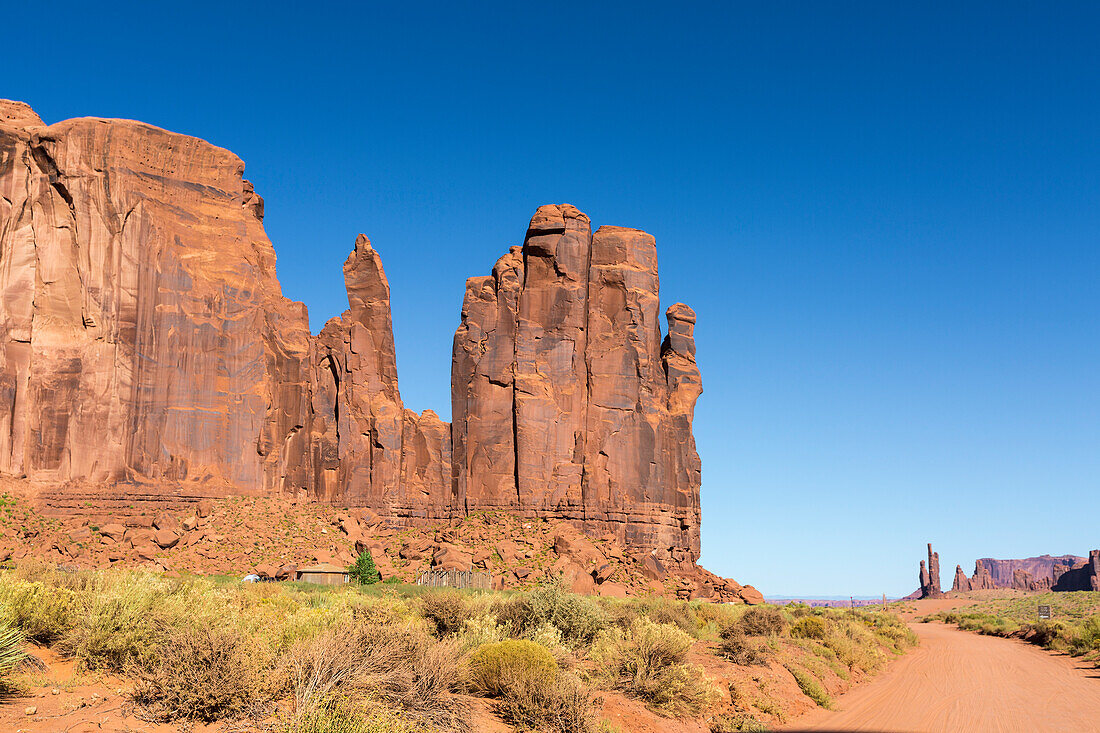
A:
[483,388]
[551,373]
[359,418]
[565,400]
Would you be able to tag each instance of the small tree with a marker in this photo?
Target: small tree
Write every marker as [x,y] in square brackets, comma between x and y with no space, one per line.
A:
[364,571]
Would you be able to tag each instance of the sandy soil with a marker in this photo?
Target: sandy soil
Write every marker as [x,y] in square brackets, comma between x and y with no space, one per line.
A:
[961,681]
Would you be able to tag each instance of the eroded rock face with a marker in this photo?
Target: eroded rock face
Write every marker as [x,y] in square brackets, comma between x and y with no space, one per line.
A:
[143,333]
[144,340]
[565,401]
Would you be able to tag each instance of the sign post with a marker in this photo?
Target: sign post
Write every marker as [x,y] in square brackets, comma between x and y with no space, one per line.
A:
[1044,612]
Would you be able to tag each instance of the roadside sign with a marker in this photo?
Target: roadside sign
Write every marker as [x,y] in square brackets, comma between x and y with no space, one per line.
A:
[1044,611]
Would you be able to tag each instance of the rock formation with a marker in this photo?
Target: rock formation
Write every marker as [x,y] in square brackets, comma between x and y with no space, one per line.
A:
[962,583]
[147,349]
[144,334]
[565,400]
[1042,573]
[930,575]
[1085,576]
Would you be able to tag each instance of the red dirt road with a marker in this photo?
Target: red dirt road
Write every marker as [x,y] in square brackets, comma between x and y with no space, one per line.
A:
[962,681]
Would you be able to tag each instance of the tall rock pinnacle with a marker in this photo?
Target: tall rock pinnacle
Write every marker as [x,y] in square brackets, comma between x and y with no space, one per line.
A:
[565,402]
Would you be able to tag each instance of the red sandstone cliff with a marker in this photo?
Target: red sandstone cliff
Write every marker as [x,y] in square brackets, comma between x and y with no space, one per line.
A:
[144,333]
[145,340]
[1062,573]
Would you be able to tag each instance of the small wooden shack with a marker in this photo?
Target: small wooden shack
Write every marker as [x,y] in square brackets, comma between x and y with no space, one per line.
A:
[323,574]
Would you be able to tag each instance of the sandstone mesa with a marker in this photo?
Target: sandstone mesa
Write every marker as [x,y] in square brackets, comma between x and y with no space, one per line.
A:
[148,350]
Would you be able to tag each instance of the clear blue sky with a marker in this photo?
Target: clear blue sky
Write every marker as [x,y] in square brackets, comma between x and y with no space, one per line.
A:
[887,218]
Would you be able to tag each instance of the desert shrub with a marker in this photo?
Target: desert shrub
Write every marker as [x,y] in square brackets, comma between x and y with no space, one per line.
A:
[203,673]
[648,661]
[809,627]
[560,703]
[811,687]
[735,723]
[479,631]
[401,668]
[743,650]
[43,613]
[578,618]
[855,646]
[445,611]
[11,651]
[363,571]
[763,621]
[121,620]
[341,715]
[495,667]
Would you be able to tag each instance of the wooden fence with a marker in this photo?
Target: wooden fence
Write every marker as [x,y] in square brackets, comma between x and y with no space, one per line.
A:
[455,579]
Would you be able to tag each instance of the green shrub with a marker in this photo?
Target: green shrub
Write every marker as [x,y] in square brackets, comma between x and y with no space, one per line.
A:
[811,687]
[809,627]
[579,618]
[203,674]
[763,621]
[363,571]
[648,661]
[11,651]
[445,611]
[497,668]
[43,613]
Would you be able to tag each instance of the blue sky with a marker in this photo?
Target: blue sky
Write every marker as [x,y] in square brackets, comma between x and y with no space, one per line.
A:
[886,217]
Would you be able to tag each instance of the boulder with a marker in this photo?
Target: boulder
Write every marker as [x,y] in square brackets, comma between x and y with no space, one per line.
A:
[751,595]
[114,531]
[166,538]
[166,521]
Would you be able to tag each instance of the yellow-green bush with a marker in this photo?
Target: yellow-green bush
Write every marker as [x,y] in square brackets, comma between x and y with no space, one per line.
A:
[809,627]
[578,618]
[43,613]
[648,661]
[11,651]
[811,687]
[495,668]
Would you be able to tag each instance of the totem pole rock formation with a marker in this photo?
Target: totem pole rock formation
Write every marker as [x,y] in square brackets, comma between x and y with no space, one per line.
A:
[930,575]
[145,341]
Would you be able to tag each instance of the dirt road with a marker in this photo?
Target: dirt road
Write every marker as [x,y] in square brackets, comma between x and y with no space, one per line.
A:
[961,681]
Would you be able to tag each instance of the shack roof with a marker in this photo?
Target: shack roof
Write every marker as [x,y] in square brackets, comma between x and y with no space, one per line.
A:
[323,567]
